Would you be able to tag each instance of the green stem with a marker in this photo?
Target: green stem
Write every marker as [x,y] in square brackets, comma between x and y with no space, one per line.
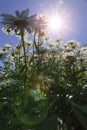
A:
[25,60]
[36,47]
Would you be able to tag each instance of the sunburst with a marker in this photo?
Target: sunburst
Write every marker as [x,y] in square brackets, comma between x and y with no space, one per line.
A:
[59,22]
[56,23]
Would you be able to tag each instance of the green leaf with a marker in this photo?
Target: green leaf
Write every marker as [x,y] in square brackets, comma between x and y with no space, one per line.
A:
[82,108]
[81,113]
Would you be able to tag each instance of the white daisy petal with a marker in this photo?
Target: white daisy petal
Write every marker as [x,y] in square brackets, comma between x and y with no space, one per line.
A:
[7,22]
[12,19]
[17,13]
[24,13]
[8,16]
[33,17]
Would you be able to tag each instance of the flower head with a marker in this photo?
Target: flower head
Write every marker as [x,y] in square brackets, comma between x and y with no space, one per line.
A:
[7,46]
[3,53]
[18,22]
[72,44]
[21,21]
[8,30]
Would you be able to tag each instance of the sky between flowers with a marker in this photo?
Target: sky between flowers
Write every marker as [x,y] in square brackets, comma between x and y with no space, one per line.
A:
[73,11]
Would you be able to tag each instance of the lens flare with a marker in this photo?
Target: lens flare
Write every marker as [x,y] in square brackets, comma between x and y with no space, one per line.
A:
[55,23]
[58,22]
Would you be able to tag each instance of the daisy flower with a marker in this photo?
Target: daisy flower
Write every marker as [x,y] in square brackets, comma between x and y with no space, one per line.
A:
[3,53]
[19,22]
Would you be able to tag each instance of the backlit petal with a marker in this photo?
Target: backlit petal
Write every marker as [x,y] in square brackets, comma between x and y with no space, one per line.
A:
[24,13]
[17,13]
[8,16]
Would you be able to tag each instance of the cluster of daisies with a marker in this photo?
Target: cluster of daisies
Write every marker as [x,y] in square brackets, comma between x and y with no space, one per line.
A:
[36,25]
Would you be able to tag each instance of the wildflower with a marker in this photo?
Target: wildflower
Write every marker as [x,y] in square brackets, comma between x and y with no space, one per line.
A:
[3,53]
[29,43]
[83,49]
[13,54]
[68,56]
[18,47]
[22,22]
[83,52]
[40,24]
[7,46]
[72,43]
[19,22]
[52,50]
[7,30]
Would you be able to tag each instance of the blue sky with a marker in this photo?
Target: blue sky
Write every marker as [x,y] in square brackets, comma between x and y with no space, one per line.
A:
[76,9]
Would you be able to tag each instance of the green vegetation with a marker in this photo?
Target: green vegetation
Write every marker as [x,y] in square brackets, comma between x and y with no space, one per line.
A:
[43,83]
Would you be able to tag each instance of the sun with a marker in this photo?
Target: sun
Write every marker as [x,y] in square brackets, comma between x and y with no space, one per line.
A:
[55,23]
[58,22]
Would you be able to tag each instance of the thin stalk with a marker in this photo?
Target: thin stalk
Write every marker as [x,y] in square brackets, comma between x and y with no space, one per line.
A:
[25,60]
[36,47]
[10,41]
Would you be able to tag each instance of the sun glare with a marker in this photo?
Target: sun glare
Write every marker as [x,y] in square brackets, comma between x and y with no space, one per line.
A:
[55,23]
[58,22]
